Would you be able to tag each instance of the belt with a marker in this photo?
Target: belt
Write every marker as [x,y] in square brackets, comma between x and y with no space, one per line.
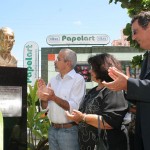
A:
[63,125]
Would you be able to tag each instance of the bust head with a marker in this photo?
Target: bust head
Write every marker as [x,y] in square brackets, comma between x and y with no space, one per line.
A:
[6,39]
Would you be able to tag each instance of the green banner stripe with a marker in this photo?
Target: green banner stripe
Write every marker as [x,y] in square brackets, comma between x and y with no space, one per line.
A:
[1,131]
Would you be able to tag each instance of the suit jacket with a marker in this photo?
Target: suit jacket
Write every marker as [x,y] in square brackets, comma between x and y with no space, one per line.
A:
[138,90]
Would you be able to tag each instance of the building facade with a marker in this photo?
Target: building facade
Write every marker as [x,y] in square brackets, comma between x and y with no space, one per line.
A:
[49,54]
[121,42]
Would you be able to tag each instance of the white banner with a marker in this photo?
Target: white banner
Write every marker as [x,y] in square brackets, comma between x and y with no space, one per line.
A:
[78,39]
[31,61]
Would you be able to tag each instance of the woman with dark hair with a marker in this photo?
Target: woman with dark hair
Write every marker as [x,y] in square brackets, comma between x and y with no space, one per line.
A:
[109,105]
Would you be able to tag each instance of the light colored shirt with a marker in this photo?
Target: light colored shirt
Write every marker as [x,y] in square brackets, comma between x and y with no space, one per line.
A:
[70,88]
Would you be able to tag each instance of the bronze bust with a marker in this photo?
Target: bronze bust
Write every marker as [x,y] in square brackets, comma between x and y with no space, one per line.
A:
[6,45]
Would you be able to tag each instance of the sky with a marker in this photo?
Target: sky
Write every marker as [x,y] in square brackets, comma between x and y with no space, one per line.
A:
[34,20]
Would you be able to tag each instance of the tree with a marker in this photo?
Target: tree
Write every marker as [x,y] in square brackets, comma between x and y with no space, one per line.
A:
[134,7]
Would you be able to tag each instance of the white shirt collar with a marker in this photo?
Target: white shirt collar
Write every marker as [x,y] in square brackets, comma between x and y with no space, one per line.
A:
[70,74]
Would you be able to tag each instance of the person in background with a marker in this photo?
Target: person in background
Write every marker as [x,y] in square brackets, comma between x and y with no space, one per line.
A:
[109,105]
[137,90]
[64,92]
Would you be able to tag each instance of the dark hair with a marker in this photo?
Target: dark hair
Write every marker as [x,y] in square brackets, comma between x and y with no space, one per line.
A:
[143,19]
[100,64]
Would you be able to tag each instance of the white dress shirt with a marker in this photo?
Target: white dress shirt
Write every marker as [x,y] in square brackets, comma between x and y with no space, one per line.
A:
[70,88]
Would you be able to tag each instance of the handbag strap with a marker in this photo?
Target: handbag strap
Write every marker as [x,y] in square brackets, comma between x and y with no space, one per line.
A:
[99,131]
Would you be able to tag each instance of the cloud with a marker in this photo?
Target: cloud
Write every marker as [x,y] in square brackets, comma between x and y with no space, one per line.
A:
[77,23]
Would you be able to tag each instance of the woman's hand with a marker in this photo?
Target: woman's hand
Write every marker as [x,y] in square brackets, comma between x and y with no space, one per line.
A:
[75,116]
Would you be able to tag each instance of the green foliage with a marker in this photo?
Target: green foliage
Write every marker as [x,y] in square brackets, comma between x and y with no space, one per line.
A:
[37,122]
[134,7]
[137,61]
[31,96]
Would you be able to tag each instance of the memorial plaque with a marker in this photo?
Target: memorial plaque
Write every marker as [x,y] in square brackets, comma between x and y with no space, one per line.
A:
[11,101]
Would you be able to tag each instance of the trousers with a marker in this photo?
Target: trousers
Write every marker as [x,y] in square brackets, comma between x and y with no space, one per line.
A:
[63,138]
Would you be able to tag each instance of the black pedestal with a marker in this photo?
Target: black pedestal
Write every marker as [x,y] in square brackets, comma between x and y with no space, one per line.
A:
[15,128]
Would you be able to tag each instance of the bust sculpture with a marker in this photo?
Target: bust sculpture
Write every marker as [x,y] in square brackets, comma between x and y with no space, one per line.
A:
[6,45]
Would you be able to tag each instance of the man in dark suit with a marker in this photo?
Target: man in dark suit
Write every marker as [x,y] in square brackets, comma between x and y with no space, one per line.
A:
[137,90]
